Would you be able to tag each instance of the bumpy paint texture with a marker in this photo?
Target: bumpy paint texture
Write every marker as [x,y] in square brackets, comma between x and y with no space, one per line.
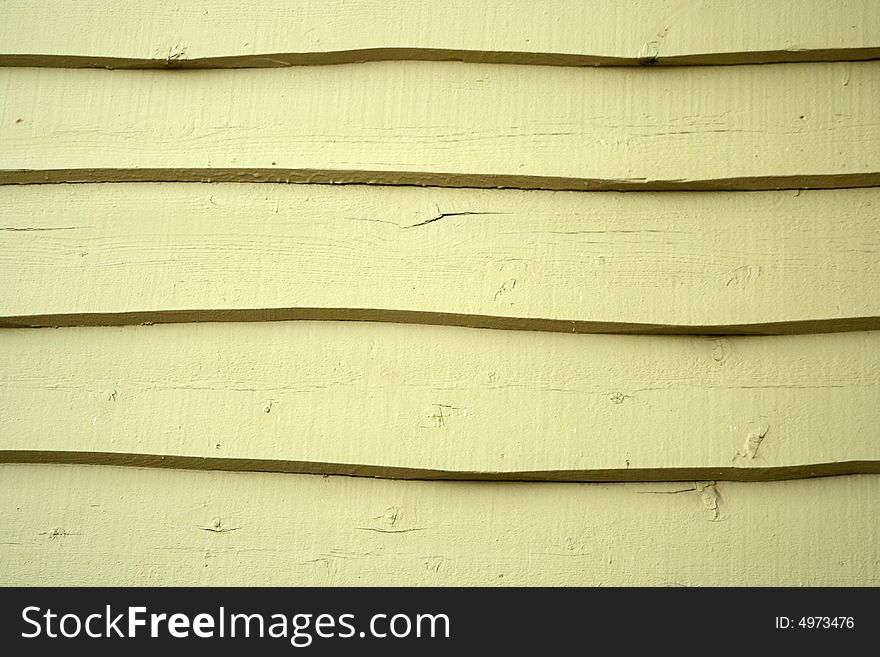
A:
[216,33]
[402,242]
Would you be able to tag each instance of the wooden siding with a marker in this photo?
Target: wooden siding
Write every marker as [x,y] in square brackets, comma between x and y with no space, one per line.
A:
[216,33]
[494,219]
[429,401]
[426,123]
[758,262]
[74,525]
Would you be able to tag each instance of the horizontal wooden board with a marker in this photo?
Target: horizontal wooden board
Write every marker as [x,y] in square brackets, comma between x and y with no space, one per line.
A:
[695,262]
[76,525]
[395,400]
[449,124]
[207,33]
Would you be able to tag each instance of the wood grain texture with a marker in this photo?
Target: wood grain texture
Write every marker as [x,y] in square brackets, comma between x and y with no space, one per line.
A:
[449,124]
[76,525]
[216,33]
[653,262]
[441,402]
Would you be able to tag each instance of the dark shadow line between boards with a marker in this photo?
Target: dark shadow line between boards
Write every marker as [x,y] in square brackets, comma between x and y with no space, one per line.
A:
[177,61]
[283,466]
[150,317]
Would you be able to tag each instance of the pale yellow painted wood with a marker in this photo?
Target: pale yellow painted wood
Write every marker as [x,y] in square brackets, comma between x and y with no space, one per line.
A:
[399,400]
[568,32]
[449,124]
[568,261]
[76,525]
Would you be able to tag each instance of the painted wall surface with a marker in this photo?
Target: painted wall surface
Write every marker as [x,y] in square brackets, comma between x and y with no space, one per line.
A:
[216,33]
[578,293]
[76,524]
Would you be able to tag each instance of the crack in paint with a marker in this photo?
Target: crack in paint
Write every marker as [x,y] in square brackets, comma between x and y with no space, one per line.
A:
[444,215]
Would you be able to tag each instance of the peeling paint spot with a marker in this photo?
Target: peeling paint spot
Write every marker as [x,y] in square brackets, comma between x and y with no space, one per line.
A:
[719,351]
[218,528]
[649,53]
[617,397]
[753,440]
[506,286]
[57,532]
[175,54]
[389,519]
[743,275]
[440,417]
[434,564]
[389,516]
[710,497]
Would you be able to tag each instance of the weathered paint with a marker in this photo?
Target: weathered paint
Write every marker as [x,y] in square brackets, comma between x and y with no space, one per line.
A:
[565,261]
[737,127]
[182,33]
[74,525]
[412,401]
[429,401]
